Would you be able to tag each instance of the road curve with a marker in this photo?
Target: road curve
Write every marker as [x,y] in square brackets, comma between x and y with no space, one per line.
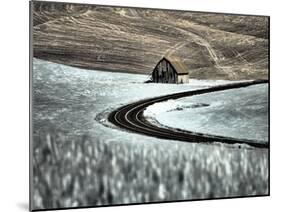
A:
[130,117]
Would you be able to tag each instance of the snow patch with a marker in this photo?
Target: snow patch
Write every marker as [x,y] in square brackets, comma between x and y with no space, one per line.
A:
[239,113]
[170,106]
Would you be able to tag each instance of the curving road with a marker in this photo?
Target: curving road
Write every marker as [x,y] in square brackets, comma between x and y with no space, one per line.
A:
[131,117]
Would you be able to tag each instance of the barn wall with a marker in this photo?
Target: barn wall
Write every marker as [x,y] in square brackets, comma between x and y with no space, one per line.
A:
[183,78]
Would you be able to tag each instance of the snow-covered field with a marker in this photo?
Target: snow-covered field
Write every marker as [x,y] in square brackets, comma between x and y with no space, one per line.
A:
[79,161]
[238,113]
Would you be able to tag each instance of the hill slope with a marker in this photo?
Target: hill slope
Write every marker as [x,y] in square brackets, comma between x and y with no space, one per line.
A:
[132,40]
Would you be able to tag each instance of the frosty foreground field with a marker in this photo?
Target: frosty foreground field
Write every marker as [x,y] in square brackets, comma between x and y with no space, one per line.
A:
[80,162]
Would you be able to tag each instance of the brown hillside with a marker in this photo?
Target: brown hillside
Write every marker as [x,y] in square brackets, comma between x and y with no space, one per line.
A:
[213,46]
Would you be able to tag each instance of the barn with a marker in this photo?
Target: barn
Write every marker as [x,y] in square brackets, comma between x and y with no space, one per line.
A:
[170,70]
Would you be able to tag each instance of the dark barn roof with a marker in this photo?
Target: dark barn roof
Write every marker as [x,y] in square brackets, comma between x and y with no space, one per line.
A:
[178,65]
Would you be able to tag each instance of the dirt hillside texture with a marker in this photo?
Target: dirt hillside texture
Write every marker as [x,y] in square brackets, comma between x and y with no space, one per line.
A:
[213,46]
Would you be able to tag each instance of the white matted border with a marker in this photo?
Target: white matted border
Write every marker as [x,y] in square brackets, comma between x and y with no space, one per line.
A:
[14,87]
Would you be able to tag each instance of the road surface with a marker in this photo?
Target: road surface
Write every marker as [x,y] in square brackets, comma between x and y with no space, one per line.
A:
[130,117]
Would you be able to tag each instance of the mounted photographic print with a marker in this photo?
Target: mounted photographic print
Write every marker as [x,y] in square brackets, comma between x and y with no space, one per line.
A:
[138,105]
